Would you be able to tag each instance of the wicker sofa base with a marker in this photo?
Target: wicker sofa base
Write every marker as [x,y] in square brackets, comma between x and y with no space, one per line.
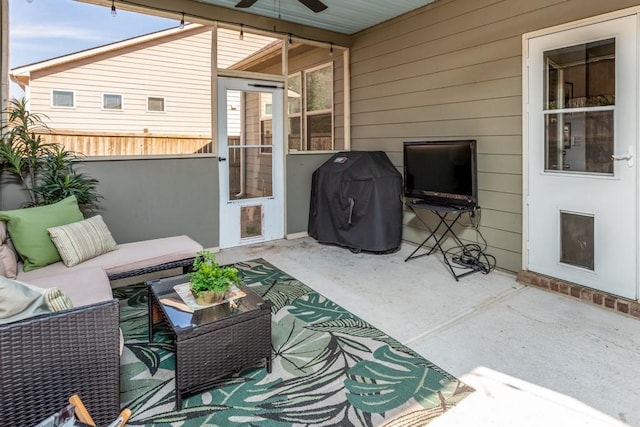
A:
[42,364]
[46,359]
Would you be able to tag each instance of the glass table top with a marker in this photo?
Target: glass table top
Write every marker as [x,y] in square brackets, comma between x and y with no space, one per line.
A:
[181,317]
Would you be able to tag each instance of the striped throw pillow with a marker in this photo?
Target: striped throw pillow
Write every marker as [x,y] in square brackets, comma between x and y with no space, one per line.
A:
[56,299]
[82,240]
[20,300]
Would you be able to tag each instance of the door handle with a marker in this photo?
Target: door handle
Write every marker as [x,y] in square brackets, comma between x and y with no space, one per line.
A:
[628,156]
[222,159]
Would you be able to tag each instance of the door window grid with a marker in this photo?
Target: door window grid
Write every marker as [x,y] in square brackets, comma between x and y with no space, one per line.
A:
[579,106]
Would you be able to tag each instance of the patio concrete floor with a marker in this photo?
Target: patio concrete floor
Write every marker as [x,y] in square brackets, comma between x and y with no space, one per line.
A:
[535,358]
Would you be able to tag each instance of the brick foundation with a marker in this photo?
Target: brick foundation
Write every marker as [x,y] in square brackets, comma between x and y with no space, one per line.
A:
[592,296]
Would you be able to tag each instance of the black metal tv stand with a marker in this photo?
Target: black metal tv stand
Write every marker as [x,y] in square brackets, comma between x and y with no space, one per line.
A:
[448,217]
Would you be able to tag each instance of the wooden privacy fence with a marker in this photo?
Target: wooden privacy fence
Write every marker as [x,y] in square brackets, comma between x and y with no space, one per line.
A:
[129,144]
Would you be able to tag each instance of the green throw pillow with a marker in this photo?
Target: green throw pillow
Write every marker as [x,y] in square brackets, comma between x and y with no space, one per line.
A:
[19,300]
[28,230]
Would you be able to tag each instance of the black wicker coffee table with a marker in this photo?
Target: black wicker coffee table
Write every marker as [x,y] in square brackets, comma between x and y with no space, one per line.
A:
[212,342]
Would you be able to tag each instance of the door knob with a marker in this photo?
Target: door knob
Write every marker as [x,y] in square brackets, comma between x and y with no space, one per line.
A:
[222,159]
[628,156]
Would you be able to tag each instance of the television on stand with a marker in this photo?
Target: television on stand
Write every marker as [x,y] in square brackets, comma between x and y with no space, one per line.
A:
[442,173]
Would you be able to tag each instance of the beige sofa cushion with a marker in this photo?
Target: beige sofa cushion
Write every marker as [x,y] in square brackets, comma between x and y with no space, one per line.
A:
[83,286]
[127,257]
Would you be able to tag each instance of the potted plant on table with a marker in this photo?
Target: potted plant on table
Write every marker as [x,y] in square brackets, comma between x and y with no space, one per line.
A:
[209,281]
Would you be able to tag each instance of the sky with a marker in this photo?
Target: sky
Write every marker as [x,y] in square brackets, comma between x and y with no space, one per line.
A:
[44,29]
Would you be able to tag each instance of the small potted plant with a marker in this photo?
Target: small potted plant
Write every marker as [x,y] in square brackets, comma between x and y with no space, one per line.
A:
[210,282]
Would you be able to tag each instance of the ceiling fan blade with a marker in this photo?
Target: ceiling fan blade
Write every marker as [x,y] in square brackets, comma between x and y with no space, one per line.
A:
[246,3]
[315,5]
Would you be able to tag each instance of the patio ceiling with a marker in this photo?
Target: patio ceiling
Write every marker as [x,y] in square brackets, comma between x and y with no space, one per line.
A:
[345,17]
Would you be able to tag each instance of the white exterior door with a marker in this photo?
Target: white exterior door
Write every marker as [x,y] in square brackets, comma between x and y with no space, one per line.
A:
[581,101]
[251,160]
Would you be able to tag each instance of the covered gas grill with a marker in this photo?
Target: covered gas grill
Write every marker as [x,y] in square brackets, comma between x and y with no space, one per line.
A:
[356,202]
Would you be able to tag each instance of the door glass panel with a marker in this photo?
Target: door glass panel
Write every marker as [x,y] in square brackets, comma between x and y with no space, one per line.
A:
[577,240]
[249,140]
[579,103]
[250,173]
[579,142]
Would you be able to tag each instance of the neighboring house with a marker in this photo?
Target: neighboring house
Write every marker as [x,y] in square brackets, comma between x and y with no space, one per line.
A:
[101,101]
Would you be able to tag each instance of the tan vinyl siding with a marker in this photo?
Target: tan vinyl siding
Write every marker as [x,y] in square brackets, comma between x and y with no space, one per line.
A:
[177,68]
[232,50]
[453,70]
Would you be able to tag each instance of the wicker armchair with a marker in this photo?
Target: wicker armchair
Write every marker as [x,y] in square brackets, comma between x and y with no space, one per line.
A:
[47,358]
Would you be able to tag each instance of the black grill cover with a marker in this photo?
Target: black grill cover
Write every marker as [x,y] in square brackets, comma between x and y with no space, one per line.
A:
[356,202]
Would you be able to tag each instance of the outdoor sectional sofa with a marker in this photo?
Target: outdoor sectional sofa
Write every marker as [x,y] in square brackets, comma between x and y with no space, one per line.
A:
[46,358]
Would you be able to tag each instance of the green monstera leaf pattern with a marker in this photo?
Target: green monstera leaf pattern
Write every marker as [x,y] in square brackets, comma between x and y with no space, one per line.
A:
[329,368]
[391,380]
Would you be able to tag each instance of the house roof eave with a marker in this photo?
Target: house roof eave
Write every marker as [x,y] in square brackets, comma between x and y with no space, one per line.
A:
[87,53]
[21,80]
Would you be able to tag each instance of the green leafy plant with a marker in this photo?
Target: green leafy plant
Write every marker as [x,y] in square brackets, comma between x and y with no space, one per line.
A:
[45,170]
[60,180]
[207,275]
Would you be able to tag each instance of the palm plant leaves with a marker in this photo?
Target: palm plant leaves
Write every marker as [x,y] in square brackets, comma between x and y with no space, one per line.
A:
[259,271]
[391,379]
[46,170]
[329,368]
[314,307]
[296,347]
[59,179]
[149,354]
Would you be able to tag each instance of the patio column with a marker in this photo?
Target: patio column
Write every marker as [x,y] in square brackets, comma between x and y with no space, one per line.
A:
[4,57]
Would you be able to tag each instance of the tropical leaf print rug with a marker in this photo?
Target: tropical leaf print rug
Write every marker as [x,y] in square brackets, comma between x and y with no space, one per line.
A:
[329,368]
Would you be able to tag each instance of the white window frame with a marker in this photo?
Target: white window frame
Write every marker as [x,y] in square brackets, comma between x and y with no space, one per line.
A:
[72,92]
[104,108]
[164,104]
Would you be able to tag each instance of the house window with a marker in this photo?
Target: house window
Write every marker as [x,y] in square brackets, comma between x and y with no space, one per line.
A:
[111,101]
[310,109]
[294,109]
[155,104]
[63,98]
[319,108]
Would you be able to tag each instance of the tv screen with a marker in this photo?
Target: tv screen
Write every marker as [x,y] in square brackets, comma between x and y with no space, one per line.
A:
[441,172]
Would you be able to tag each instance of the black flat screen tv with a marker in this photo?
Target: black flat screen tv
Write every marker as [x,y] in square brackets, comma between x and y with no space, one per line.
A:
[441,172]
